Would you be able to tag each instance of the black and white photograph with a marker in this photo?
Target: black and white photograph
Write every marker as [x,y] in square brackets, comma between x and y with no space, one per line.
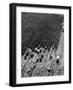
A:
[41,44]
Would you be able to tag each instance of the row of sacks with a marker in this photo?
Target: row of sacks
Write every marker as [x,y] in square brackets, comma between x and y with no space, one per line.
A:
[40,58]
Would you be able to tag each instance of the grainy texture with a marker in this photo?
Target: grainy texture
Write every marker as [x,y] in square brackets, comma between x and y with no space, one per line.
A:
[42,45]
